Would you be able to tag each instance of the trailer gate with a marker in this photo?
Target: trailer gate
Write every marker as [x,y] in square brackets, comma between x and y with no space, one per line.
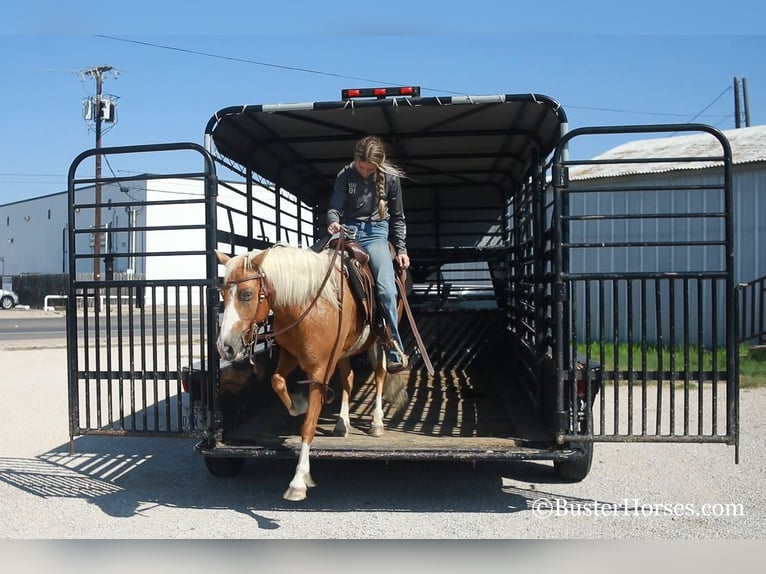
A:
[644,289]
[129,338]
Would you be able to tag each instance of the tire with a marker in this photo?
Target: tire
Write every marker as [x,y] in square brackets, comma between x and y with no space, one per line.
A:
[6,302]
[576,469]
[224,466]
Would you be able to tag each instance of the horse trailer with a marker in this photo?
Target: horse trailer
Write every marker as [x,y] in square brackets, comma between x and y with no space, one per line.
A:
[537,352]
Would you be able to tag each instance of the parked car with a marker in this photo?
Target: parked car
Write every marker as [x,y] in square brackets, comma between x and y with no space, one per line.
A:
[8,299]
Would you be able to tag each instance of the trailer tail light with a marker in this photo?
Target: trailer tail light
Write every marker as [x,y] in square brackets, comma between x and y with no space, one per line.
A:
[380,93]
[185,379]
[581,387]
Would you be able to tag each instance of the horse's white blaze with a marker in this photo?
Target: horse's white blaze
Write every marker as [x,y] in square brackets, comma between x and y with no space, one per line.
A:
[227,335]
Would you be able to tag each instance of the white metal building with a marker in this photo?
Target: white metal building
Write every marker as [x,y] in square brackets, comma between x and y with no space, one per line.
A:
[33,233]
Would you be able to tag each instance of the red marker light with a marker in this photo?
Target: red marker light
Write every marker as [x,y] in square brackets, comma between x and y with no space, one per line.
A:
[380,93]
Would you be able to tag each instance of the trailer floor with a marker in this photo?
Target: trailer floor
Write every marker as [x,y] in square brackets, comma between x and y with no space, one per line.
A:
[450,415]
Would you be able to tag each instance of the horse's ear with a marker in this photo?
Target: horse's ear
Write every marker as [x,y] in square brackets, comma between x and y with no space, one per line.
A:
[223,259]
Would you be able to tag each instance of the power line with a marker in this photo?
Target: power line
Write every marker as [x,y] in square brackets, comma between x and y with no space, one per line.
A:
[728,88]
[253,62]
[372,81]
[30,175]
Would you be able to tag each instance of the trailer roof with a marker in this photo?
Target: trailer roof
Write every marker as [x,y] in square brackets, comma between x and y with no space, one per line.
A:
[483,144]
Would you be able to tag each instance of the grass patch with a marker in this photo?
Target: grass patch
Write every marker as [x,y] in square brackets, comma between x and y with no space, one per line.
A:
[752,371]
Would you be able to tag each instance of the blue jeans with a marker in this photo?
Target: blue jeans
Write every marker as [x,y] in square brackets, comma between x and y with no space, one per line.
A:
[373,236]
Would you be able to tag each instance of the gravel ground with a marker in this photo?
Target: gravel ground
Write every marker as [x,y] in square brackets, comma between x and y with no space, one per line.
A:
[129,488]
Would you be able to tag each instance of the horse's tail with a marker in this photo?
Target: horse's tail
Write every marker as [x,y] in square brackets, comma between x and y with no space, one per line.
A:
[395,391]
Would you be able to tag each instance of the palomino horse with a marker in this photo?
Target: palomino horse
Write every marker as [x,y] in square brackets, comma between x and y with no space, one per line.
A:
[317,324]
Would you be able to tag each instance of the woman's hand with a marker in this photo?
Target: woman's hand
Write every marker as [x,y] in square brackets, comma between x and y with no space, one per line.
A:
[334,228]
[403,260]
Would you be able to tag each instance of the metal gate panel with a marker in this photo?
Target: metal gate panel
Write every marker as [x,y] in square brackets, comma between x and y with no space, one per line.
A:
[646,317]
[134,322]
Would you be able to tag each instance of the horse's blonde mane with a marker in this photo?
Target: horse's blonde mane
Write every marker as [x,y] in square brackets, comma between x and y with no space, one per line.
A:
[294,274]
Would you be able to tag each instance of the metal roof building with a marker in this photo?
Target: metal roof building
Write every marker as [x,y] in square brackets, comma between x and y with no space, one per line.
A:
[749,193]
[691,188]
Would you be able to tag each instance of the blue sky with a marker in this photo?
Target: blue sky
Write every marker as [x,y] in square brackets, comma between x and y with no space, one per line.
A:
[607,63]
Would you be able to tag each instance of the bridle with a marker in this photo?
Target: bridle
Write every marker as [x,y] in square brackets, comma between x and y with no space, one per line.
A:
[263,295]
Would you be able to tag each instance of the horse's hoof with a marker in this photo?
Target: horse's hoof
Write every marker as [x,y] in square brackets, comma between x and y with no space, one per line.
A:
[340,429]
[376,430]
[295,494]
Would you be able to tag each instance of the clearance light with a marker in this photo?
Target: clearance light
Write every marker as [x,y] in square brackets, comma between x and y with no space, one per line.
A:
[380,93]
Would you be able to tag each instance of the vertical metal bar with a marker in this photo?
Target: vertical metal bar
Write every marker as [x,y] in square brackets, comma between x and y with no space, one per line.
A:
[572,362]
[686,343]
[87,358]
[644,353]
[660,349]
[121,363]
[97,309]
[714,349]
[761,310]
[616,346]
[602,352]
[166,354]
[154,410]
[732,372]
[672,342]
[209,300]
[73,361]
[108,339]
[132,354]
[629,344]
[701,315]
[178,358]
[588,341]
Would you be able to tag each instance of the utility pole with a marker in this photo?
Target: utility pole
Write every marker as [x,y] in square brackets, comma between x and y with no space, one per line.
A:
[741,103]
[100,109]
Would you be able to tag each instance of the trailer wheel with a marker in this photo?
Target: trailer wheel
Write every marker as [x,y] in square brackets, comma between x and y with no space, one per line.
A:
[224,466]
[576,469]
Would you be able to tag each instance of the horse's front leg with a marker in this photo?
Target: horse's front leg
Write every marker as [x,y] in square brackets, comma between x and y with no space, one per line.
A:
[295,404]
[302,480]
[346,376]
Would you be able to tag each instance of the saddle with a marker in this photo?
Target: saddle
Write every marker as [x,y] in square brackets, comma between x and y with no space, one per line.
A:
[356,266]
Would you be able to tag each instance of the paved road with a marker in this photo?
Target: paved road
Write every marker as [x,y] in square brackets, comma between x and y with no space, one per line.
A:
[127,488]
[19,327]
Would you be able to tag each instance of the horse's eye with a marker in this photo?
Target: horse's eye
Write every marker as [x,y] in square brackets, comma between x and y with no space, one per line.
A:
[246,295]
